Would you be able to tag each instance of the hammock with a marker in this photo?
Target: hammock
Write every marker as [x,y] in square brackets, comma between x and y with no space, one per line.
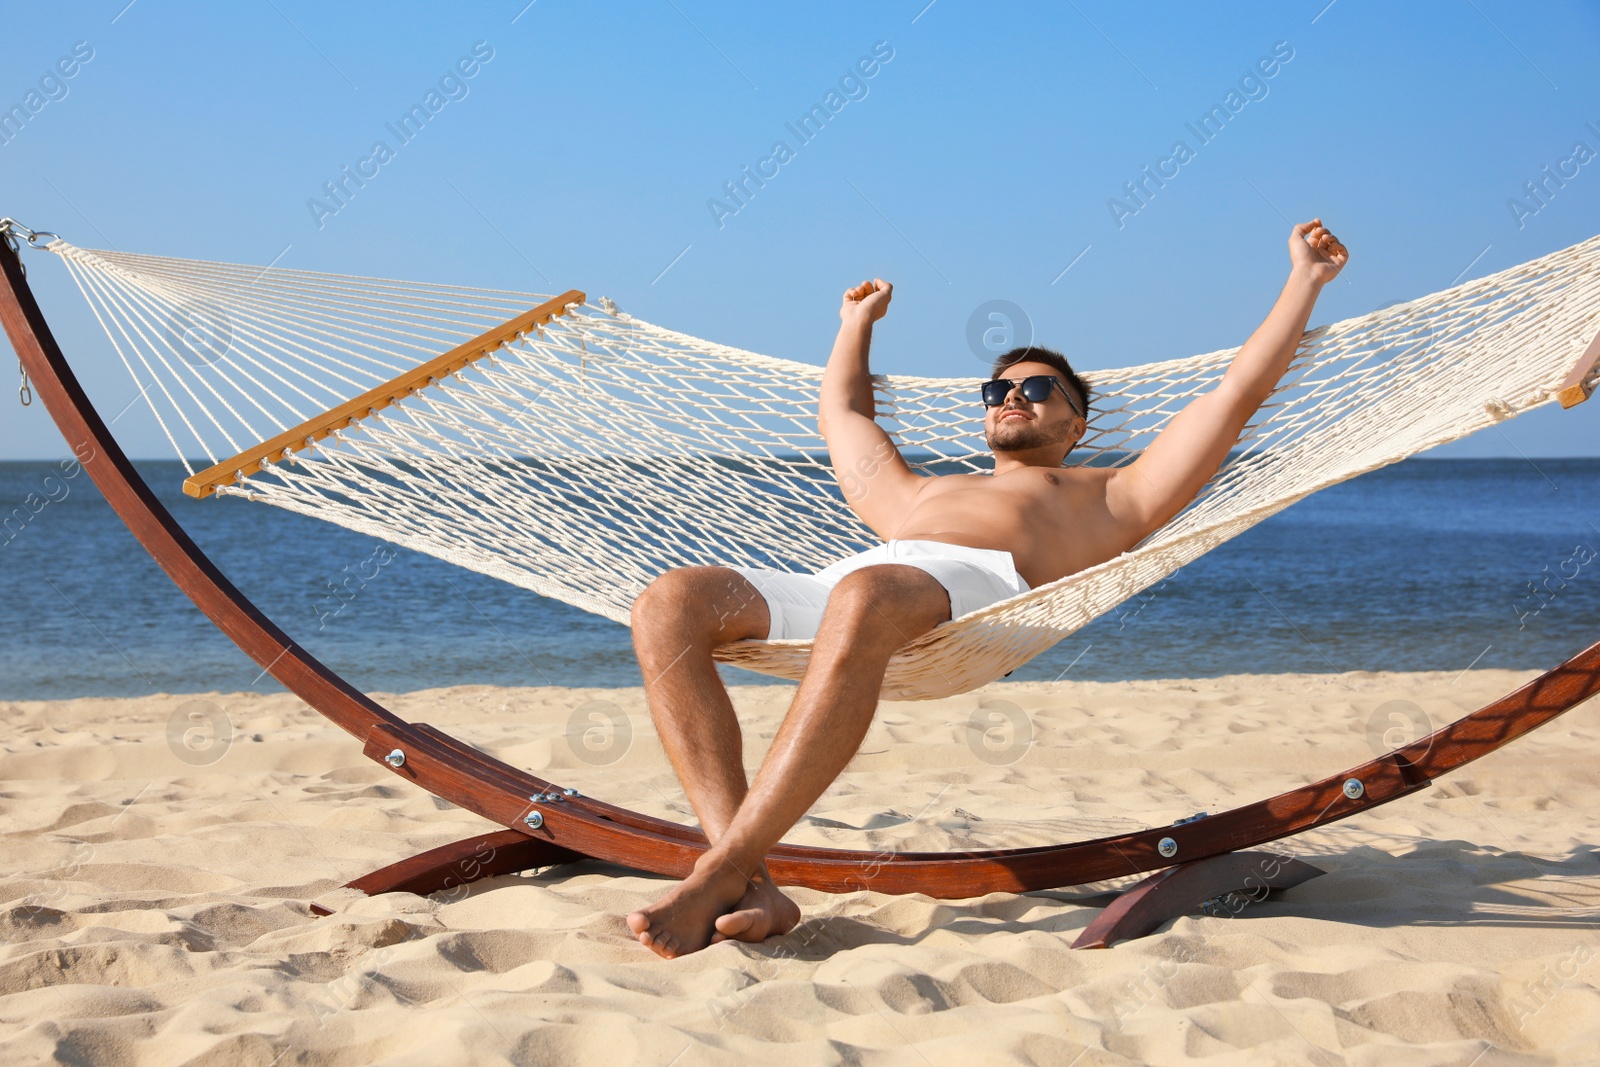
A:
[546,824]
[577,452]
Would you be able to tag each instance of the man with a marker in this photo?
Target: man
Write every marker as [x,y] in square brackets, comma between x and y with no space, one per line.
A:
[955,543]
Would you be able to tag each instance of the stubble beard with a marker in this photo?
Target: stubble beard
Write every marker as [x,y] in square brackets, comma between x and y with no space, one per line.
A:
[1026,435]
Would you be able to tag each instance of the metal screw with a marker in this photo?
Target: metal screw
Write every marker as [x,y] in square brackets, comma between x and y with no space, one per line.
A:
[534,819]
[1167,847]
[395,758]
[1353,788]
[571,792]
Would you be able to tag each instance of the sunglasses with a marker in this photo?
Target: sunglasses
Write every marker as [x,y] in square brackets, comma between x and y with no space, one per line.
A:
[1036,389]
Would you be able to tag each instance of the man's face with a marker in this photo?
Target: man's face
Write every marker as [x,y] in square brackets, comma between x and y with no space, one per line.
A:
[1020,425]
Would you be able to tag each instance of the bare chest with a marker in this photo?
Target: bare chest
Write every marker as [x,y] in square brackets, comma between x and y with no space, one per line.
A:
[1053,522]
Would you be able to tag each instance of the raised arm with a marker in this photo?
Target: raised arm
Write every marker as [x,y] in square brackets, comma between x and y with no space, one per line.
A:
[874,477]
[1184,456]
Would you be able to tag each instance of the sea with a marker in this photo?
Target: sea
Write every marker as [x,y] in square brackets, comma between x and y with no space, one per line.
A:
[1426,565]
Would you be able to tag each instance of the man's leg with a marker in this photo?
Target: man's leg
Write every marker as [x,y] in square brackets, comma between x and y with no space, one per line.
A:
[870,614]
[677,621]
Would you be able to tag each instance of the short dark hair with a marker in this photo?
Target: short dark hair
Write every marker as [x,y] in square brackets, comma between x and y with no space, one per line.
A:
[1035,354]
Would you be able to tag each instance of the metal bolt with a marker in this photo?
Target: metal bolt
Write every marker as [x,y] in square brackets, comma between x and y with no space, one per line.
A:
[534,819]
[1353,788]
[1167,847]
[395,759]
[571,792]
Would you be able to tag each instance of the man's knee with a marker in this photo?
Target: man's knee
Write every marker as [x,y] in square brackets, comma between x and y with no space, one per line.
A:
[668,601]
[892,598]
[693,602]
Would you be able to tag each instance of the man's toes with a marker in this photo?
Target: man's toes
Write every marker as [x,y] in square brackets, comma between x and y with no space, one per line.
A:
[741,925]
[639,923]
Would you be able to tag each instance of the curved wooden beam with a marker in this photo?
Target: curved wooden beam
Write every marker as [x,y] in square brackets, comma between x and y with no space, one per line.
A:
[539,810]
[460,863]
[1178,890]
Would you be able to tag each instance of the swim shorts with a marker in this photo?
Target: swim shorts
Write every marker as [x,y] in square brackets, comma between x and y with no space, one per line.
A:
[974,578]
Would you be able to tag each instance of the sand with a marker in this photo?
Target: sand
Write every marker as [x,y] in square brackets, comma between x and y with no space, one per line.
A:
[156,907]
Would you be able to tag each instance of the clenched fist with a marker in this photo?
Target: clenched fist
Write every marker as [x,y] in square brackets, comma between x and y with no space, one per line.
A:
[1316,252]
[867,302]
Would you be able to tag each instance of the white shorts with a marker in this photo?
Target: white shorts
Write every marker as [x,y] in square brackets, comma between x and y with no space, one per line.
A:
[974,578]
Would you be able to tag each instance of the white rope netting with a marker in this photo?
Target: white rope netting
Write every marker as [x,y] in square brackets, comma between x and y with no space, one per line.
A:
[585,458]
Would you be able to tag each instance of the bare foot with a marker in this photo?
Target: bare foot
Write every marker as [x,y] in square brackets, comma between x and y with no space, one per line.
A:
[761,913]
[688,917]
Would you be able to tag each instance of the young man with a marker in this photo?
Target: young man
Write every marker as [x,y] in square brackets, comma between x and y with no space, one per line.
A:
[953,544]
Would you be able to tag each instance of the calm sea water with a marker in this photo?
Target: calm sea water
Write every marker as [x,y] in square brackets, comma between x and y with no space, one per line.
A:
[1425,565]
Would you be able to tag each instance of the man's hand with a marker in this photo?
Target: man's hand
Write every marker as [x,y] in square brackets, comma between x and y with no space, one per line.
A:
[1316,253]
[867,302]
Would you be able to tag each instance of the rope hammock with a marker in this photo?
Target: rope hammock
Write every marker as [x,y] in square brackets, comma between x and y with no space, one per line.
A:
[546,824]
[578,452]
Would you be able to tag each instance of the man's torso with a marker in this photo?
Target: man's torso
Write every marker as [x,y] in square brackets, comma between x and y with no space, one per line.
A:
[1053,521]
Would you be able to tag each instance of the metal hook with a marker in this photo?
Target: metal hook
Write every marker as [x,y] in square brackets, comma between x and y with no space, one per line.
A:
[10,227]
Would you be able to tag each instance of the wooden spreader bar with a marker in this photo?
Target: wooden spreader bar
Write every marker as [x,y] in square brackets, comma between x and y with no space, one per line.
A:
[377,398]
[547,825]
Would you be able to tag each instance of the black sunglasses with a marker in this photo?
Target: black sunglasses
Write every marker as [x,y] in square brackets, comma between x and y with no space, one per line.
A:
[1036,389]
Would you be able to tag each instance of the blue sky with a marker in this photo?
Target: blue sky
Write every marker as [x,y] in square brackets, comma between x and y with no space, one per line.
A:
[975,163]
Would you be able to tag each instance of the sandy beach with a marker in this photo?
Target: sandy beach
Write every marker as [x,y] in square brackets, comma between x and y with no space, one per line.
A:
[161,853]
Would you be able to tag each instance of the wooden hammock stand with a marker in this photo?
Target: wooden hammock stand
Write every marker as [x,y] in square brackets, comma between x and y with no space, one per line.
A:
[1199,859]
